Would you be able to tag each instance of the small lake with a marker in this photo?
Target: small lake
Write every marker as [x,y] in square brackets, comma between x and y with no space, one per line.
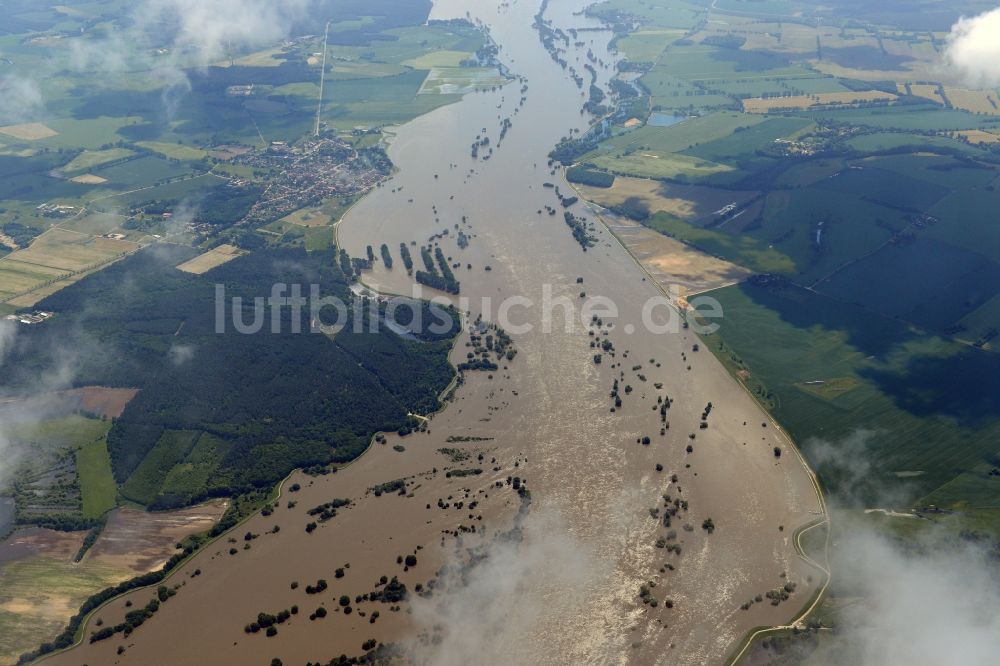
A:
[664,119]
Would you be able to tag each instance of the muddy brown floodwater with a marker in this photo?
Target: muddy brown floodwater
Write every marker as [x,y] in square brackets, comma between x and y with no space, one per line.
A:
[567,590]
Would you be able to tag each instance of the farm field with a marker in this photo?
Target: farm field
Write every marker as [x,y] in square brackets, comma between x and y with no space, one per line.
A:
[209,260]
[688,202]
[652,165]
[174,151]
[802,102]
[911,405]
[979,137]
[28,131]
[144,485]
[874,328]
[43,587]
[974,101]
[742,250]
[56,258]
[88,159]
[97,484]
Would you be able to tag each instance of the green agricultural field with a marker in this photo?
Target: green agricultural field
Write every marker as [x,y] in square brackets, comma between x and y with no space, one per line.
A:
[901,117]
[984,321]
[743,88]
[443,58]
[174,151]
[968,220]
[886,141]
[89,159]
[845,226]
[89,133]
[681,136]
[809,173]
[711,65]
[142,171]
[318,238]
[646,45]
[937,170]
[740,249]
[742,143]
[762,8]
[891,189]
[671,92]
[97,484]
[59,433]
[667,166]
[825,84]
[146,482]
[194,187]
[927,282]
[189,477]
[381,101]
[914,408]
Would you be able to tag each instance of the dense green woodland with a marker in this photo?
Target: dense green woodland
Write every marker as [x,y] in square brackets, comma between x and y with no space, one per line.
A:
[229,412]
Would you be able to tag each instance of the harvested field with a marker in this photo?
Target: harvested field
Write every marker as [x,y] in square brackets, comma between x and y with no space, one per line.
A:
[979,137]
[209,260]
[138,541]
[925,91]
[688,202]
[88,179]
[974,101]
[55,259]
[769,104]
[670,262]
[109,402]
[28,131]
[42,587]
[66,251]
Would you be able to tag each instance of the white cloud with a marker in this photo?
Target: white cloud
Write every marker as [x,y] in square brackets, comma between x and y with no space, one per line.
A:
[181,354]
[8,331]
[212,27]
[492,607]
[20,100]
[973,52]
[934,603]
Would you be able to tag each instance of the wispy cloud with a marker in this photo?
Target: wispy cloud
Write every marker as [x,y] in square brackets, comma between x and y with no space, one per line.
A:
[935,601]
[21,99]
[211,28]
[973,51]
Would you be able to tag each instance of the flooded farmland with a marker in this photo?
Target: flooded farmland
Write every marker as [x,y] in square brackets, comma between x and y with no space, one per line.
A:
[568,576]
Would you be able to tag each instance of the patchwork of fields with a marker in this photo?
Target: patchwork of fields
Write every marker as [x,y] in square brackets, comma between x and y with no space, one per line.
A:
[919,412]
[846,165]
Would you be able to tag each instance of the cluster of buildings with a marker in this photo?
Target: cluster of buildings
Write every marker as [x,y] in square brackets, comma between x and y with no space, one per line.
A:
[36,317]
[56,210]
[305,173]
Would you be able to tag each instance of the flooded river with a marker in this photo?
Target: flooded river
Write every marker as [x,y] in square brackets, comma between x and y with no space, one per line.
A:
[593,540]
[592,484]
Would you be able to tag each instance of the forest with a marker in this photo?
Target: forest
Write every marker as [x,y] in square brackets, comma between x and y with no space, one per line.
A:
[224,413]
